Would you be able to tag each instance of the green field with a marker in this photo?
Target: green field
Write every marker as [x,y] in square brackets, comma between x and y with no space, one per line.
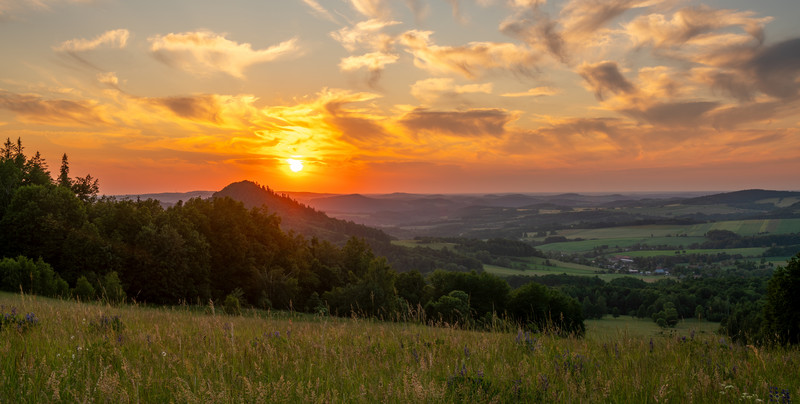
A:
[754,252]
[621,242]
[610,327]
[671,235]
[416,243]
[741,227]
[79,352]
[537,267]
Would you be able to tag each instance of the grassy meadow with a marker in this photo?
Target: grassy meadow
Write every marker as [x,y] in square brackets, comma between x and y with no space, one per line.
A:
[79,352]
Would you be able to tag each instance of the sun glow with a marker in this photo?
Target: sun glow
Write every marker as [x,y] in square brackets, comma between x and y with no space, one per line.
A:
[295,165]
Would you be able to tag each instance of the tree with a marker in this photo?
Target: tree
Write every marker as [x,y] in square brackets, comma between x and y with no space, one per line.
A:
[452,307]
[782,308]
[63,176]
[38,221]
[86,188]
[667,317]
[541,308]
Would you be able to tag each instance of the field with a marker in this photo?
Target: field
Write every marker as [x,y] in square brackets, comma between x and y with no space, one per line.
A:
[77,352]
[536,267]
[678,236]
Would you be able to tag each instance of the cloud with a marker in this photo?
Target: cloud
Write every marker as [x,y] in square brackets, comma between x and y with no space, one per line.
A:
[534,92]
[777,69]
[108,78]
[471,123]
[202,52]
[371,8]
[471,60]
[353,125]
[35,109]
[365,34]
[116,39]
[429,90]
[582,18]
[199,108]
[538,30]
[373,62]
[692,23]
[727,82]
[605,77]
[669,114]
[320,11]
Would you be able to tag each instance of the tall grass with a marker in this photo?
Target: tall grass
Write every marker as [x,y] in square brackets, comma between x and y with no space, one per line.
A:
[81,352]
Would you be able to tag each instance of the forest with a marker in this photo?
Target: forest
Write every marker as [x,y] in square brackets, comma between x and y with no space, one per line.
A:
[59,238]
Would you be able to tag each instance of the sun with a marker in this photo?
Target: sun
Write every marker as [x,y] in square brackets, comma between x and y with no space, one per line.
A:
[295,165]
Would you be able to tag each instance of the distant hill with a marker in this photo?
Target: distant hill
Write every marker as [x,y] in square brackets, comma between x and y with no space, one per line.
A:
[299,217]
[757,199]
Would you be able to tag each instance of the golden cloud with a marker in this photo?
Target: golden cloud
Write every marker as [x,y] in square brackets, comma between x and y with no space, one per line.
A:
[429,90]
[117,39]
[202,52]
[471,60]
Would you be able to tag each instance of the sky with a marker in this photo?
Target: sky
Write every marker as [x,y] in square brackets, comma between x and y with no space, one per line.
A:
[424,96]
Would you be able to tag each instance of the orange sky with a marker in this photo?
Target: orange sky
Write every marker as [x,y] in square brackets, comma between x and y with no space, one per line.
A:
[415,96]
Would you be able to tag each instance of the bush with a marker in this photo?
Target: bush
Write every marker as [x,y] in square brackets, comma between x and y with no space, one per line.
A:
[232,306]
[540,308]
[83,289]
[112,288]
[31,277]
[452,307]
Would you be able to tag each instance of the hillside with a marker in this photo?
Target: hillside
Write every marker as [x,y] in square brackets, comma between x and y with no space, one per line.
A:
[79,352]
[298,217]
[752,198]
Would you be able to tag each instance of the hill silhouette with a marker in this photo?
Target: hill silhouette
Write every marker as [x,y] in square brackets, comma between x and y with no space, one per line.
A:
[298,217]
[756,199]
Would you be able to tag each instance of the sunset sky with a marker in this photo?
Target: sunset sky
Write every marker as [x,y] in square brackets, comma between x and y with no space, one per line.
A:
[429,96]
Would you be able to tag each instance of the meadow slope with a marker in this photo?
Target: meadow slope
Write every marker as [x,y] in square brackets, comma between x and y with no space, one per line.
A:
[78,352]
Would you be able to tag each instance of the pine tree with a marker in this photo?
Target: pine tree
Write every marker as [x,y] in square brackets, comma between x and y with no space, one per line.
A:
[63,177]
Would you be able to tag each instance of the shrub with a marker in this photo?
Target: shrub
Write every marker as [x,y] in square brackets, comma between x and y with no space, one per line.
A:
[232,305]
[83,289]
[35,277]
[112,288]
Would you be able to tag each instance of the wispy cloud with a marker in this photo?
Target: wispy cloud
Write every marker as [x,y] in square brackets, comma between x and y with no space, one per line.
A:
[366,35]
[471,60]
[430,90]
[690,24]
[116,39]
[320,11]
[476,122]
[60,112]
[372,8]
[605,77]
[534,92]
[202,52]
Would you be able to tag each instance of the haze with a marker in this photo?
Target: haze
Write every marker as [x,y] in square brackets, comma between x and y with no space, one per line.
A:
[419,96]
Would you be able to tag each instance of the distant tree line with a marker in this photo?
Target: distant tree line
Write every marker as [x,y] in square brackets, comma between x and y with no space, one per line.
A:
[59,238]
[758,309]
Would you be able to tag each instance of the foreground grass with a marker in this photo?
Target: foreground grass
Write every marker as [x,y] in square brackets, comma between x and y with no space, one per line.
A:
[79,353]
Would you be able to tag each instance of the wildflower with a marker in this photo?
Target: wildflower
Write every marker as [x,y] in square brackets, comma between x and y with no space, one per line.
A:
[163,353]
